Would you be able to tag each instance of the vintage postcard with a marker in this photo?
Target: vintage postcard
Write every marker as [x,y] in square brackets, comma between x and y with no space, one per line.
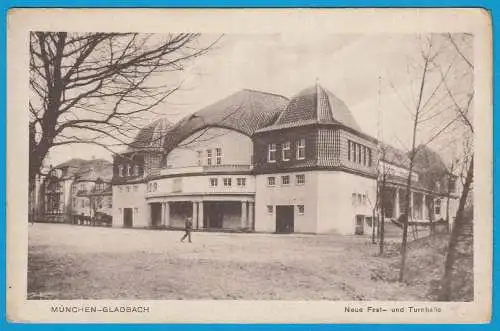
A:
[249,166]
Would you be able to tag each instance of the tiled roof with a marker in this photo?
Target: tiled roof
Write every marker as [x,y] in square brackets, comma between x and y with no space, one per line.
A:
[314,105]
[87,170]
[74,163]
[152,136]
[428,164]
[245,111]
[398,157]
[95,169]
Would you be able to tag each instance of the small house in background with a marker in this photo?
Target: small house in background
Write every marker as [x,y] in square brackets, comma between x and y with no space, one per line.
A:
[91,191]
[76,187]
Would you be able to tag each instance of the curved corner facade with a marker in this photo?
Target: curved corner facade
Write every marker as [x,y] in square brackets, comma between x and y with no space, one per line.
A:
[256,161]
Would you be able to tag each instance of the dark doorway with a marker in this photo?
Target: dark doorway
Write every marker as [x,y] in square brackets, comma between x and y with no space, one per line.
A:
[127,217]
[214,215]
[284,219]
[219,215]
[155,214]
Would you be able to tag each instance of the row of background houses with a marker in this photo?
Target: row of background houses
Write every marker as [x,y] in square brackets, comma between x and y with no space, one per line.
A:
[73,189]
[254,161]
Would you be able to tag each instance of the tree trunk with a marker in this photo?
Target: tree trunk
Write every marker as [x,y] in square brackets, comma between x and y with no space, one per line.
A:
[373,225]
[458,231]
[382,219]
[406,217]
[374,214]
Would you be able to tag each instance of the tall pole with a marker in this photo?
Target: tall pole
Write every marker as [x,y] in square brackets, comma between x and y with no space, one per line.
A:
[381,172]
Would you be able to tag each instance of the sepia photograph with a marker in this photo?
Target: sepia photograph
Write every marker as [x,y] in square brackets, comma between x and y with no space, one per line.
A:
[231,165]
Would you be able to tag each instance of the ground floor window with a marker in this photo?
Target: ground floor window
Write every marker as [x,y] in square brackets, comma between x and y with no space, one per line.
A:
[271,181]
[300,209]
[241,181]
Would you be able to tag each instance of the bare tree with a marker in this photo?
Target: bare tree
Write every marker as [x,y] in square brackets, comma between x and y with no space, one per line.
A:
[438,65]
[94,87]
[427,56]
[462,227]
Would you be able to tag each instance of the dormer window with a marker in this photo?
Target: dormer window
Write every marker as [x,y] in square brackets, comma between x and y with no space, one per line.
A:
[136,170]
[301,149]
[285,151]
[271,154]
[120,170]
[129,170]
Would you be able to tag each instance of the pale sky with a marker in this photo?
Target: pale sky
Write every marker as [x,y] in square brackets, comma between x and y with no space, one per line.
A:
[347,65]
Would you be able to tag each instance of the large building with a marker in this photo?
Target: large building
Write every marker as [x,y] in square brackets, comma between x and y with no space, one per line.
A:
[256,161]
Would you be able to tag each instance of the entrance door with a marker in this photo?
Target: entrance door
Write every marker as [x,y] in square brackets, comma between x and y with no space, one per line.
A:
[127,217]
[156,214]
[284,219]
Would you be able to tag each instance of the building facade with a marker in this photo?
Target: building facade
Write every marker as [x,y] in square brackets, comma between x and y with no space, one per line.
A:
[254,161]
[74,188]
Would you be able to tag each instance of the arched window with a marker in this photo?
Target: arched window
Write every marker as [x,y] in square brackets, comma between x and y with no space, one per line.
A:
[120,170]
[155,187]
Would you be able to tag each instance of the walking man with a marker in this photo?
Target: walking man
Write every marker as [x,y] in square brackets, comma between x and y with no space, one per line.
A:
[188,228]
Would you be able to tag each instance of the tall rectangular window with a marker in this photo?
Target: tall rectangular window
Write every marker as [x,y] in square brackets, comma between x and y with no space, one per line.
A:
[437,207]
[364,155]
[209,157]
[359,153]
[271,153]
[354,152]
[285,180]
[136,170]
[199,157]
[218,156]
[300,179]
[120,170]
[285,151]
[301,149]
[369,157]
[349,143]
[227,181]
